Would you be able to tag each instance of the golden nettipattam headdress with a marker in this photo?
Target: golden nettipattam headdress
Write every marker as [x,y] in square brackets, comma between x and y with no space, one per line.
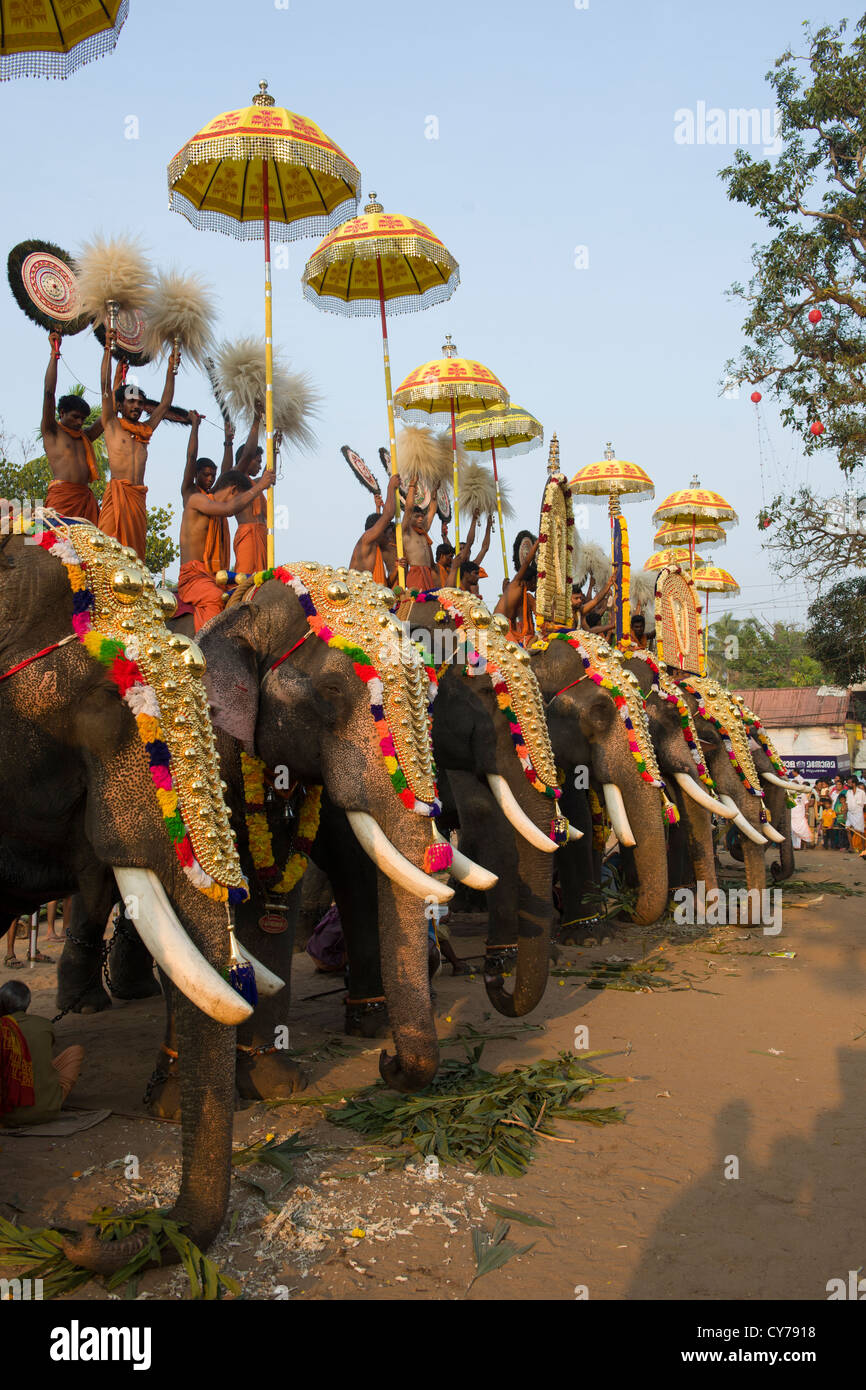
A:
[555,551]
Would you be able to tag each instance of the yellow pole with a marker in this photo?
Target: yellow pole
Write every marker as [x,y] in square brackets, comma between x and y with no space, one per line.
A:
[269,360]
[392,433]
[499,509]
[456,486]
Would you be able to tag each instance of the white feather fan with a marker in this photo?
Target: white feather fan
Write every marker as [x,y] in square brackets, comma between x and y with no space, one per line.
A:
[113,269]
[180,308]
[240,373]
[590,559]
[642,588]
[421,454]
[478,492]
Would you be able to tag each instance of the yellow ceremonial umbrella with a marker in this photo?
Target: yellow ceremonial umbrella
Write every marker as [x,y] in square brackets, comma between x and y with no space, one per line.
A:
[263,172]
[682,529]
[51,38]
[508,428]
[680,555]
[377,259]
[711,579]
[613,479]
[696,504]
[448,385]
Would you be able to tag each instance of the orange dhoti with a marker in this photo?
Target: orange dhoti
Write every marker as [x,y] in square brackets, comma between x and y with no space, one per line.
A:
[423,577]
[197,587]
[73,499]
[124,514]
[251,547]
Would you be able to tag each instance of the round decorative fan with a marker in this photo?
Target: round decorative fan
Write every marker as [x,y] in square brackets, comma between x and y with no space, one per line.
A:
[360,470]
[443,506]
[525,547]
[131,329]
[43,280]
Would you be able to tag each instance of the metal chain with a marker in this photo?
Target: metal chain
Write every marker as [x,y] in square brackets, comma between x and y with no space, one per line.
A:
[103,947]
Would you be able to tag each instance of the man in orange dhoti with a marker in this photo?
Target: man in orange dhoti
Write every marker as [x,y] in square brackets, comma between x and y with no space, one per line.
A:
[251,536]
[518,596]
[376,551]
[124,502]
[204,539]
[421,572]
[68,447]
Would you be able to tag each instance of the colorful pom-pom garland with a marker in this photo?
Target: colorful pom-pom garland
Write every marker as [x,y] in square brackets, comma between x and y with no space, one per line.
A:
[140,697]
[725,736]
[259,832]
[670,692]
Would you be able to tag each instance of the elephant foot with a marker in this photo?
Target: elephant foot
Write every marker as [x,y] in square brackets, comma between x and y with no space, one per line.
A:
[162,1093]
[92,1000]
[367,1018]
[131,970]
[136,989]
[267,1075]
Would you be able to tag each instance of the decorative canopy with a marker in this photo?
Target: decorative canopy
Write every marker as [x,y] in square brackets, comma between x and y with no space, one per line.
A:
[697,502]
[447,381]
[714,580]
[51,38]
[508,429]
[613,477]
[216,180]
[682,530]
[417,270]
[677,556]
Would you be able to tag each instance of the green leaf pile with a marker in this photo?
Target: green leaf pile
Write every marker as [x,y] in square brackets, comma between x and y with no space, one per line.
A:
[486,1120]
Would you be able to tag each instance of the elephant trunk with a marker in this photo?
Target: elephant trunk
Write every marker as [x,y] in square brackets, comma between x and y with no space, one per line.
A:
[405,980]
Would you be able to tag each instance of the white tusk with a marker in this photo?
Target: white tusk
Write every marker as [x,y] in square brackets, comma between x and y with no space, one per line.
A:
[616,812]
[790,785]
[574,833]
[465,870]
[772,834]
[510,808]
[742,824]
[373,841]
[163,935]
[267,983]
[694,789]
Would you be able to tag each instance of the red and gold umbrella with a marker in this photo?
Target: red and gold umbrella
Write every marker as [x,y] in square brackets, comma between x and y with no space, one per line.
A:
[376,260]
[711,579]
[696,504]
[508,429]
[612,479]
[449,385]
[679,555]
[263,172]
[681,530]
[51,38]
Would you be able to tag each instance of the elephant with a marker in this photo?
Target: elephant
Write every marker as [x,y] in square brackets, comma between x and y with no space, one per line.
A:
[776,795]
[78,813]
[587,731]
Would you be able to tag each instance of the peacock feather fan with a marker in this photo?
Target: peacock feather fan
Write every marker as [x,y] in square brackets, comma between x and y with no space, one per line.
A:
[421,455]
[181,308]
[114,268]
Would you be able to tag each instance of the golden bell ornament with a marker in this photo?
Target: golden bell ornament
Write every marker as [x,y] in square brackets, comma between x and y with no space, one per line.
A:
[167,602]
[500,622]
[127,585]
[480,617]
[221,578]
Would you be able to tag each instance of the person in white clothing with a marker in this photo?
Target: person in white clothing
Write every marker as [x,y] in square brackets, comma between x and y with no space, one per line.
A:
[854,822]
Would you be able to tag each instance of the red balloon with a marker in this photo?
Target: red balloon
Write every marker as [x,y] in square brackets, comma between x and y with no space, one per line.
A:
[815,315]
[816,428]
[755,396]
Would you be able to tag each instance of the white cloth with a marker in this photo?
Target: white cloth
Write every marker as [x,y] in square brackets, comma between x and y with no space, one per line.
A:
[799,824]
[856,806]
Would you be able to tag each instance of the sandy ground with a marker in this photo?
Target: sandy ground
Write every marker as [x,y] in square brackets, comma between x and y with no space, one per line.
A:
[756,1058]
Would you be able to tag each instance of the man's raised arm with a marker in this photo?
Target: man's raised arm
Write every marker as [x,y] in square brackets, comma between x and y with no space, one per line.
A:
[167,391]
[49,410]
[187,486]
[213,506]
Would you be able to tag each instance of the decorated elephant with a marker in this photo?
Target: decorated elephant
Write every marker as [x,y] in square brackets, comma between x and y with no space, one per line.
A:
[109,780]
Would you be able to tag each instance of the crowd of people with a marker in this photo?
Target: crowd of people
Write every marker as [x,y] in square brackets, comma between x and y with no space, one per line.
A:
[832,816]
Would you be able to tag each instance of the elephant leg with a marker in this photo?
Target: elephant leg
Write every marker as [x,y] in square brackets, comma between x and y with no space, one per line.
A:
[130,964]
[575,864]
[79,971]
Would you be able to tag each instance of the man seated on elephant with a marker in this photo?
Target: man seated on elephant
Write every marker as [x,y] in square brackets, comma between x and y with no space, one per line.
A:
[33,1084]
[200,474]
[68,447]
[204,539]
[376,551]
[421,572]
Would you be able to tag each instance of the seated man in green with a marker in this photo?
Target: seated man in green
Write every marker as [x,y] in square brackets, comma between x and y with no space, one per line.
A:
[33,1084]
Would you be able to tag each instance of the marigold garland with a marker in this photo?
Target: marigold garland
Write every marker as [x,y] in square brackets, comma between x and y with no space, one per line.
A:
[672,695]
[259,832]
[141,699]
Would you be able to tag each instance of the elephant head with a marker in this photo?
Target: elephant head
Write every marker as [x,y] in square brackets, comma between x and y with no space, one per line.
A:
[587,730]
[311,673]
[85,736]
[490,742]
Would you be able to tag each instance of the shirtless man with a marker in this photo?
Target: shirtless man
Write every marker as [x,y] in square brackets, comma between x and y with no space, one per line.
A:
[204,539]
[376,552]
[68,447]
[199,475]
[518,597]
[124,510]
[421,573]
[251,536]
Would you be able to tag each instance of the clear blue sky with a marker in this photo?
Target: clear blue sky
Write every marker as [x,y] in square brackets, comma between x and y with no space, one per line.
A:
[555,131]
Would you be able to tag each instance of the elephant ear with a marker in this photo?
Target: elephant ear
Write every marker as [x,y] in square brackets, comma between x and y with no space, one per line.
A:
[232,676]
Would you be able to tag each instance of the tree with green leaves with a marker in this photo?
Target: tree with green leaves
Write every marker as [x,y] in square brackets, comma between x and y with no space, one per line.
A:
[811,198]
[837,631]
[746,654]
[815,538]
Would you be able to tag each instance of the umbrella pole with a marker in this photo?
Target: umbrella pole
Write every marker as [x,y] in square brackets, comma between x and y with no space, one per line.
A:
[392,435]
[499,508]
[269,359]
[456,485]
[706,633]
